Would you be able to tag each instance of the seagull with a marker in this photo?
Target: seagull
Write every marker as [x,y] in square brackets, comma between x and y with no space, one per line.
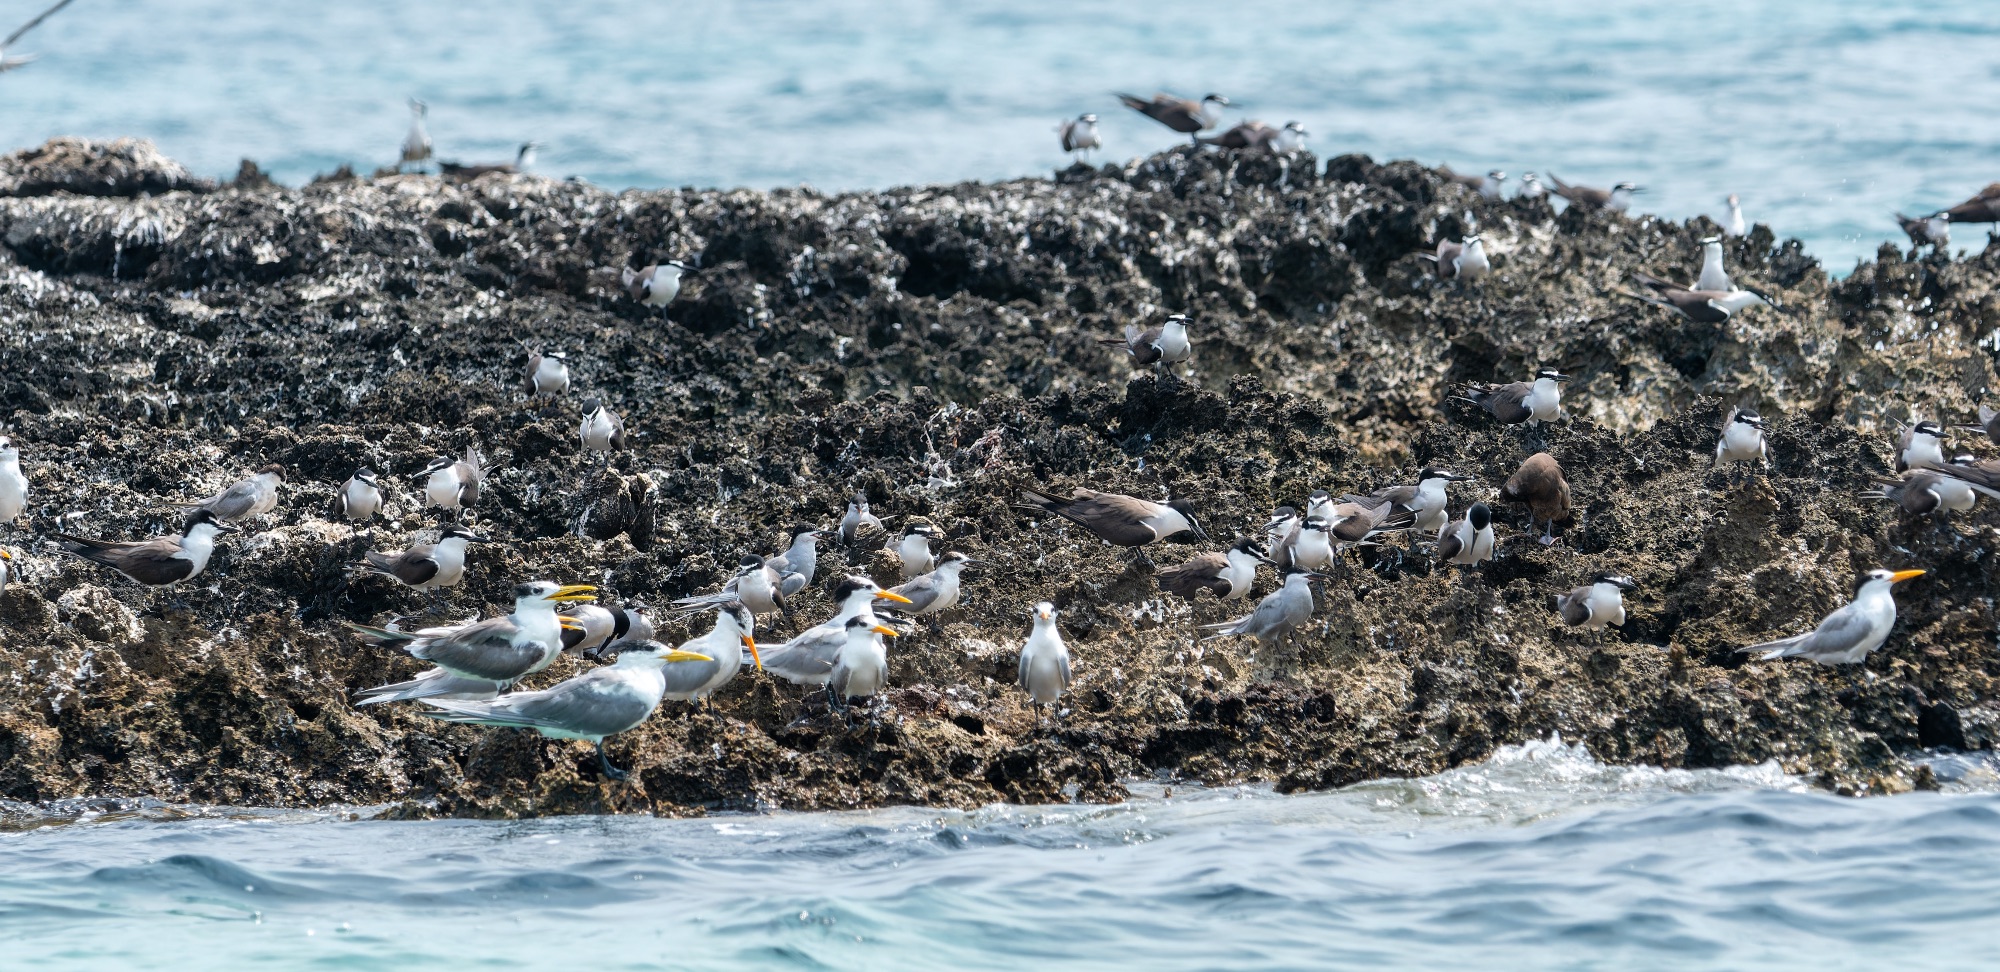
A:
[1165,343]
[809,657]
[1921,445]
[479,659]
[915,549]
[1923,492]
[1700,306]
[1932,230]
[1982,208]
[1117,519]
[863,668]
[934,592]
[159,562]
[724,646]
[454,484]
[858,523]
[656,285]
[601,431]
[1712,276]
[548,374]
[417,144]
[1464,260]
[1742,441]
[1227,575]
[427,566]
[1425,501]
[1520,402]
[1469,541]
[360,498]
[1492,185]
[1277,615]
[1045,669]
[598,703]
[13,484]
[1851,631]
[1617,198]
[1079,134]
[1180,114]
[246,498]
[1539,484]
[10,63]
[1599,603]
[523,158]
[1734,225]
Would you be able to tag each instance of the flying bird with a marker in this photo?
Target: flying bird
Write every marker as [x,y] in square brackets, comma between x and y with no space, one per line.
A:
[10,63]
[1180,114]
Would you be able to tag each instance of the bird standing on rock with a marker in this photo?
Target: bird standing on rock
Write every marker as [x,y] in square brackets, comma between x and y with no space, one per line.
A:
[936,591]
[548,374]
[1851,631]
[863,669]
[808,658]
[1464,260]
[800,561]
[655,285]
[1492,185]
[1617,199]
[1044,669]
[1924,492]
[246,498]
[158,562]
[1742,441]
[13,484]
[1522,402]
[1124,521]
[1700,306]
[914,550]
[1596,604]
[1227,575]
[1165,343]
[483,658]
[1733,225]
[453,484]
[756,584]
[1712,276]
[417,144]
[601,431]
[734,633]
[1279,614]
[427,566]
[1921,446]
[1469,541]
[1425,502]
[859,523]
[1180,114]
[1539,485]
[1932,230]
[1079,134]
[360,498]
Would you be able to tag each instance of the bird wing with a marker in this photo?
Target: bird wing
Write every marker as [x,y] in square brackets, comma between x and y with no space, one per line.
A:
[484,649]
[413,566]
[922,592]
[32,24]
[1201,571]
[433,683]
[595,704]
[1841,632]
[155,561]
[1574,606]
[1449,544]
[236,501]
[1507,402]
[809,656]
[1117,519]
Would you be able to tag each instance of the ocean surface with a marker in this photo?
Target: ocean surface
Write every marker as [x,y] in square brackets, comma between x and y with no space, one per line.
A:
[1540,858]
[1825,116]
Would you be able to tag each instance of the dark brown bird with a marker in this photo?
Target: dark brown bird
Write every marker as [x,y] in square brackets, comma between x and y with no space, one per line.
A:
[1126,521]
[1933,230]
[1983,208]
[1180,114]
[1539,484]
[457,172]
[1617,197]
[1700,306]
[1227,575]
[157,562]
[1246,135]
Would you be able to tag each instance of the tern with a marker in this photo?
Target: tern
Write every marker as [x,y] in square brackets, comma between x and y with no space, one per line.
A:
[1314,548]
[360,498]
[1599,603]
[587,628]
[915,549]
[724,644]
[159,562]
[427,566]
[453,484]
[1733,225]
[1618,198]
[6,570]
[1280,612]
[482,658]
[1289,139]
[937,591]
[524,157]
[10,63]
[863,668]
[601,431]
[13,484]
[1492,185]
[1982,476]
[1227,575]
[1924,492]
[1742,441]
[631,624]
[1281,533]
[601,702]
[548,374]
[1851,631]
[1044,669]
[417,144]
[1351,524]
[1464,260]
[246,498]
[1700,306]
[1934,230]
[1165,343]
[1180,114]
[808,658]
[1425,501]
[1254,135]
[1982,208]
[757,584]
[656,285]
[1531,187]
[1117,519]
[1079,134]
[1712,276]
[800,561]
[859,523]
[1920,446]
[1469,541]
[1521,402]
[1539,485]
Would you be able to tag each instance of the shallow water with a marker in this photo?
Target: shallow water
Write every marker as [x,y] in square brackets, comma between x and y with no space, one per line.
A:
[1541,858]
[1825,116]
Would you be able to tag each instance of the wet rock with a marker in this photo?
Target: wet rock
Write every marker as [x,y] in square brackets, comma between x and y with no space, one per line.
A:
[124,167]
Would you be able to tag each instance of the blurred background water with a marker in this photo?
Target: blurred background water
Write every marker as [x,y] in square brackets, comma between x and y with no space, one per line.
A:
[1825,116]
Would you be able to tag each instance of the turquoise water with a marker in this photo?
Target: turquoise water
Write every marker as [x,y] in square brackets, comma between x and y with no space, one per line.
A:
[1826,116]
[1540,858]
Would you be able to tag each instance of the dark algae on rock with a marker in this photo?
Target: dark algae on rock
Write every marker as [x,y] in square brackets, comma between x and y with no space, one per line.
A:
[935,348]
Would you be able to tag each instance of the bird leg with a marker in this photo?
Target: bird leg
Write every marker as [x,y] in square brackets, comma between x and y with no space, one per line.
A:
[604,763]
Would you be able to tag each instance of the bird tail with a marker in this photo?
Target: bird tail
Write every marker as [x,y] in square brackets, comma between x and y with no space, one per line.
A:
[1035,499]
[1396,521]
[1560,187]
[433,684]
[381,637]
[1133,102]
[1781,648]
[1651,282]
[84,547]
[1645,298]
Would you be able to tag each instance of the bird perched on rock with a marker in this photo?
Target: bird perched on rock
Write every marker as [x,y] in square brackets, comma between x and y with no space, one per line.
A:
[245,498]
[655,285]
[1596,604]
[1279,614]
[601,431]
[1313,549]
[757,584]
[427,566]
[1227,575]
[1492,185]
[1124,521]
[1920,446]
[593,706]
[863,668]
[1079,134]
[1256,136]
[1352,524]
[360,498]
[733,634]
[417,144]
[1469,541]
[1934,230]
[1980,475]
[1989,425]
[1044,668]
[1464,260]
[1712,275]
[524,158]
[1539,485]
[934,592]
[480,659]
[158,562]
[800,561]
[859,523]
[1733,224]
[1180,114]
[808,658]
[1521,402]
[548,374]
[1924,492]
[13,483]
[453,484]
[1742,441]
[1281,535]
[1982,208]
[1618,198]
[631,624]
[1425,501]
[1165,343]
[1851,631]
[1531,187]
[1700,306]
[587,628]
[914,550]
